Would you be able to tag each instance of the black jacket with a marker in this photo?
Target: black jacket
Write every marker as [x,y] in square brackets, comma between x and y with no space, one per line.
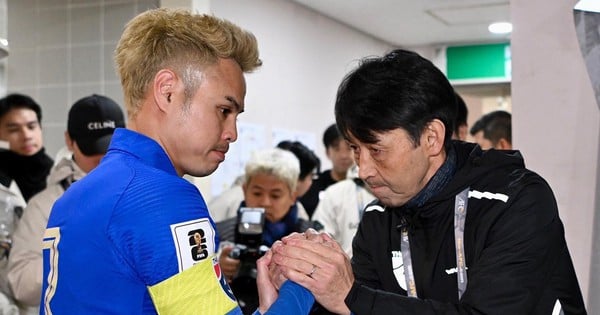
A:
[516,254]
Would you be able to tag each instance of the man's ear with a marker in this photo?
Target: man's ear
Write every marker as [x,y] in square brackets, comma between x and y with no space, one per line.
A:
[68,141]
[294,197]
[503,144]
[433,137]
[164,88]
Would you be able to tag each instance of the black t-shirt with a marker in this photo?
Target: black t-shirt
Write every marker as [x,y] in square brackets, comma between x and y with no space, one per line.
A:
[310,200]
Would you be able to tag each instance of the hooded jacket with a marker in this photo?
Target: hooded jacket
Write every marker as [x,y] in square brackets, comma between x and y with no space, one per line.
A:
[514,246]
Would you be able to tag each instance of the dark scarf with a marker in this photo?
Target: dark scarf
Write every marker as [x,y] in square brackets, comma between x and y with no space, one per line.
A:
[29,172]
[439,180]
[275,231]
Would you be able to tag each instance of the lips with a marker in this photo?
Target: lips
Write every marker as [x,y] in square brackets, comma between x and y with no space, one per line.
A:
[371,183]
[221,155]
[221,151]
[29,148]
[222,148]
[374,188]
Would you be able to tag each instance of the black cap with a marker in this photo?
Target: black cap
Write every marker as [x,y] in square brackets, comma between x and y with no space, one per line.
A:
[92,121]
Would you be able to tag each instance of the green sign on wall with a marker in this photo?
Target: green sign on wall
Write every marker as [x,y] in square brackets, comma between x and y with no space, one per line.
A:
[485,63]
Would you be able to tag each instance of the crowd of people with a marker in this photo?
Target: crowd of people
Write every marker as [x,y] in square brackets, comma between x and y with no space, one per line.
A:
[413,217]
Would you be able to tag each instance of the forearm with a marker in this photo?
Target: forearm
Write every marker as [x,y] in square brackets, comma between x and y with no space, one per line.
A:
[293,299]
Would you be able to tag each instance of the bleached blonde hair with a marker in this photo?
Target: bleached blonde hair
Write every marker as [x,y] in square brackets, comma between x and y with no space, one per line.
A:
[181,41]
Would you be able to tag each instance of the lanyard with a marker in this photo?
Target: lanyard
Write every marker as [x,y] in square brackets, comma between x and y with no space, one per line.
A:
[460,213]
[411,288]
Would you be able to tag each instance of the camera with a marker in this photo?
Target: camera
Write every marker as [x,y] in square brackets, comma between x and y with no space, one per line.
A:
[248,249]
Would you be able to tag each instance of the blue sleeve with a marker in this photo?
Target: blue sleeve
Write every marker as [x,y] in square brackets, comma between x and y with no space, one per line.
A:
[293,299]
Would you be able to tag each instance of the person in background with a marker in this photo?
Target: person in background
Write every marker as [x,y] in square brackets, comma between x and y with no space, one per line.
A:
[461,127]
[122,239]
[24,167]
[493,131]
[25,162]
[309,165]
[226,205]
[90,125]
[341,208]
[270,183]
[454,230]
[340,155]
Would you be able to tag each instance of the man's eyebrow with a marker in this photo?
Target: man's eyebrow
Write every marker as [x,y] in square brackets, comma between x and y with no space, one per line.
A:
[16,124]
[237,105]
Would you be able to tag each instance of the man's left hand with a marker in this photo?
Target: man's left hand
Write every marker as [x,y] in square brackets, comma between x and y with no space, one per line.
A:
[317,262]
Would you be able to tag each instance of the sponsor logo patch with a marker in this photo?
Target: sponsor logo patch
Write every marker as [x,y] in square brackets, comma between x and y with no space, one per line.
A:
[194,241]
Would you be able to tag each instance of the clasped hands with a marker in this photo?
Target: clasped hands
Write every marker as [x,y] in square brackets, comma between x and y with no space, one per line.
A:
[312,259]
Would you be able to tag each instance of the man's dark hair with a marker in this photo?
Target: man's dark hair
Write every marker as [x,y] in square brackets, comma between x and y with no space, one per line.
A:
[498,126]
[18,101]
[308,159]
[461,113]
[398,90]
[331,136]
[477,126]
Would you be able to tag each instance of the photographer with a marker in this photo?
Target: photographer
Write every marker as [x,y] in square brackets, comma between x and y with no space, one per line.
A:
[226,205]
[270,181]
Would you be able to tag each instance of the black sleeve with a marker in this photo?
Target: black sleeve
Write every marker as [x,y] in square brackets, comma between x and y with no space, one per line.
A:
[363,267]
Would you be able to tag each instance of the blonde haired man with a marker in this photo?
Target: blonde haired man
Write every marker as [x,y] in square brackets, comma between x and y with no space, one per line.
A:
[121,240]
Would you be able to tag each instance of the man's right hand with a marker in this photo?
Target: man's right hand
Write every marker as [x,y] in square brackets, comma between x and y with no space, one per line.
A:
[229,266]
[319,264]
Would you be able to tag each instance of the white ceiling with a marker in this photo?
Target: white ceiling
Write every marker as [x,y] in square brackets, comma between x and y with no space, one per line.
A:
[410,23]
[413,23]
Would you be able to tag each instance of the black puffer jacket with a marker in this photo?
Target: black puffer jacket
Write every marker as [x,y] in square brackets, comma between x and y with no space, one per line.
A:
[516,254]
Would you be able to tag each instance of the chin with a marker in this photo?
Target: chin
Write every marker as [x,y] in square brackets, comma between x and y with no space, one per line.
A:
[390,201]
[200,172]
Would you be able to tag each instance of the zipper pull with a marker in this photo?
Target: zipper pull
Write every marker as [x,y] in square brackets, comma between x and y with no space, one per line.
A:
[403,226]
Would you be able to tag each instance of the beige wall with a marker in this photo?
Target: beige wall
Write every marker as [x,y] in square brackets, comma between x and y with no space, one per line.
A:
[556,119]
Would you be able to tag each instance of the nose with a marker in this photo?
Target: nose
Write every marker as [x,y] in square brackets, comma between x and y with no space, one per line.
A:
[230,132]
[365,165]
[265,201]
[26,133]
